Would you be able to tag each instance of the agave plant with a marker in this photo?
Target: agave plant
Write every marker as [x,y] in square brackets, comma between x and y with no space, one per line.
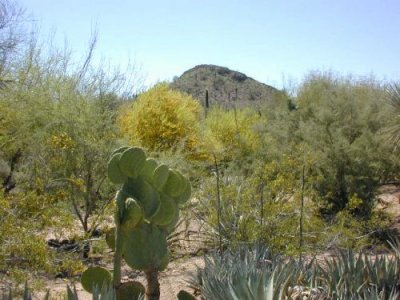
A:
[26,295]
[258,274]
[253,273]
[359,276]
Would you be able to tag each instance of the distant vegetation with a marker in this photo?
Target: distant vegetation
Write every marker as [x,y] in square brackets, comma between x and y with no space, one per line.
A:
[296,172]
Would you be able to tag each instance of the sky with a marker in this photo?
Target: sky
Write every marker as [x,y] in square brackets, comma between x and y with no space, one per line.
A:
[276,42]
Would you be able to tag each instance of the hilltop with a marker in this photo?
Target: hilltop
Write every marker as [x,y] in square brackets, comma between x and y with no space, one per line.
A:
[224,86]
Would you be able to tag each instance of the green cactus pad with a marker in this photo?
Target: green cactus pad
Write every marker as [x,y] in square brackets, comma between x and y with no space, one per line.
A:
[132,161]
[145,247]
[120,150]
[175,185]
[110,238]
[114,173]
[160,176]
[120,199]
[95,276]
[133,214]
[171,226]
[185,196]
[166,213]
[183,295]
[130,290]
[144,193]
[148,169]
[164,261]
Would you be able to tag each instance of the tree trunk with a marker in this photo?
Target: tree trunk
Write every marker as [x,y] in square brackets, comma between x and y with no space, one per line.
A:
[153,286]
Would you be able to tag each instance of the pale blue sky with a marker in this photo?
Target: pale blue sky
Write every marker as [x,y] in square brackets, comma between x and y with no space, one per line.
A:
[267,40]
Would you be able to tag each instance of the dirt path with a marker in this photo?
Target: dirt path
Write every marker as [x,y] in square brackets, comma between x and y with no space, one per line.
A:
[172,280]
[389,201]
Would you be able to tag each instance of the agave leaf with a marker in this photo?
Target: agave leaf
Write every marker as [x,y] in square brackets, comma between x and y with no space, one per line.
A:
[27,294]
[47,296]
[72,294]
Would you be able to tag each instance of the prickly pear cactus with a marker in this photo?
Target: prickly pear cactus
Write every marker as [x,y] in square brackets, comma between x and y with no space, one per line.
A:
[95,277]
[147,210]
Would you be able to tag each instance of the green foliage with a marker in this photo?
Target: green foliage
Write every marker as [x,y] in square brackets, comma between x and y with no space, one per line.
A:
[25,296]
[264,206]
[60,117]
[255,273]
[394,129]
[351,276]
[24,253]
[246,273]
[106,292]
[231,133]
[342,122]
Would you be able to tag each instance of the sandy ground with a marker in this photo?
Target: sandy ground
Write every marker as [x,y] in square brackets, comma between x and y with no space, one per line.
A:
[172,280]
[389,201]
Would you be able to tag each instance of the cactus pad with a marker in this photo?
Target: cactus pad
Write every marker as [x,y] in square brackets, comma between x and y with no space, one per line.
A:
[147,210]
[183,295]
[148,169]
[95,276]
[120,150]
[133,214]
[160,176]
[187,191]
[130,290]
[144,193]
[168,228]
[166,213]
[120,199]
[132,161]
[145,247]
[174,185]
[110,238]
[114,173]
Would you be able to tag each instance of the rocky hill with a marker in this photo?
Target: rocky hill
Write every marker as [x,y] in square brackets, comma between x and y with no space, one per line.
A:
[224,87]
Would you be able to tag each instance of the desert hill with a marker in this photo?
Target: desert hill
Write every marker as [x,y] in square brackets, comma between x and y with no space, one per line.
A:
[224,86]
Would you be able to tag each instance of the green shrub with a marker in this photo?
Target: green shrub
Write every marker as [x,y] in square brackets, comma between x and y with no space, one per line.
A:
[342,121]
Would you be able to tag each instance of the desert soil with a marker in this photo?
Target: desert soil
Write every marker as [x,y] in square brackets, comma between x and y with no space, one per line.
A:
[172,280]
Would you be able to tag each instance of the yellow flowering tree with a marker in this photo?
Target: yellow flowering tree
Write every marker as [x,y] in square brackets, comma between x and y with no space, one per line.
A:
[163,119]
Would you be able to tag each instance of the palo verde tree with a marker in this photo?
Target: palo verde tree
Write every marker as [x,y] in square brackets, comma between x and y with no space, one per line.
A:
[147,210]
[65,128]
[163,119]
[342,121]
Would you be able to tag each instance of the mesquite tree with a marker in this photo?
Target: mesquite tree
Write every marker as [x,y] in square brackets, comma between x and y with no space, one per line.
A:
[147,210]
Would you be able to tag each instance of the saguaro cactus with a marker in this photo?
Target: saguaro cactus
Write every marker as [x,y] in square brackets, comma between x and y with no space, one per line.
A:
[147,210]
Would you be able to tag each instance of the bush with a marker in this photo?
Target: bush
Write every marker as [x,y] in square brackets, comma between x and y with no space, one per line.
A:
[162,119]
[25,221]
[342,122]
[231,134]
